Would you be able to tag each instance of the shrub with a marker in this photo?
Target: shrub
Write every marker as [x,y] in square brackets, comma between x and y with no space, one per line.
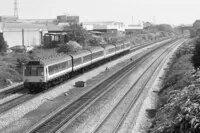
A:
[8,70]
[3,44]
[71,46]
[196,56]
[181,113]
[77,33]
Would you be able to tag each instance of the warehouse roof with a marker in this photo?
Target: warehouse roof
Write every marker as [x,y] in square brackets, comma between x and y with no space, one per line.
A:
[22,25]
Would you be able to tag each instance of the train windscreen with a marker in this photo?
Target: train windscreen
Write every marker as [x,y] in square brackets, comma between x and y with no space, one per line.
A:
[34,71]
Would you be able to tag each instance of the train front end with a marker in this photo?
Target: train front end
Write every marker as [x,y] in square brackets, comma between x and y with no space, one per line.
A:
[34,75]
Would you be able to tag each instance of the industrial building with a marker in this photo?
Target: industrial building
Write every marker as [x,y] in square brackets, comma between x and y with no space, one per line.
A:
[134,29]
[31,32]
[106,27]
[23,34]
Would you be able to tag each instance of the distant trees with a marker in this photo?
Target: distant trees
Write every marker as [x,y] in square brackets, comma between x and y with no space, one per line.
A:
[3,44]
[196,28]
[196,24]
[76,33]
[160,27]
[165,27]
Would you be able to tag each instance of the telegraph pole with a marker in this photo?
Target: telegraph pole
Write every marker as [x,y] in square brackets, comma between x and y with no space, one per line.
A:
[16,8]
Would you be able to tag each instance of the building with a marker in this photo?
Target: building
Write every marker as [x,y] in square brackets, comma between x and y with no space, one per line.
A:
[8,18]
[39,21]
[108,27]
[22,34]
[60,20]
[70,19]
[134,29]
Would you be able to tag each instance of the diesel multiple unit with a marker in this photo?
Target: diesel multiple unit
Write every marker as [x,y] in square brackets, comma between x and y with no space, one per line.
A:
[43,73]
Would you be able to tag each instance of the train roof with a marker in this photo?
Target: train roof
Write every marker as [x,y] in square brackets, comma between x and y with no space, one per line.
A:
[56,59]
[53,59]
[108,46]
[119,43]
[96,49]
[127,42]
[79,53]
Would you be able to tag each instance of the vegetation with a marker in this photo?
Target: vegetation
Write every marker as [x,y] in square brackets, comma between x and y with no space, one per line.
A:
[11,66]
[179,99]
[161,27]
[71,46]
[3,44]
[76,33]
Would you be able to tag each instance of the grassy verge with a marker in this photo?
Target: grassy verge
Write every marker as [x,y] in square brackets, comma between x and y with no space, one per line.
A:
[179,98]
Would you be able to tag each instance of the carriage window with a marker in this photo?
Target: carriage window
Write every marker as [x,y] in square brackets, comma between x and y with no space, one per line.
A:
[87,58]
[98,54]
[58,67]
[111,50]
[77,61]
[118,48]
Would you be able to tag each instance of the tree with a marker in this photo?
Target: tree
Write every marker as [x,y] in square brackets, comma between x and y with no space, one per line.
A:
[71,46]
[165,27]
[8,70]
[76,33]
[196,24]
[3,44]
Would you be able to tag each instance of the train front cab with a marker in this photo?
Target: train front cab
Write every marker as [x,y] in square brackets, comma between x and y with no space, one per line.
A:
[34,75]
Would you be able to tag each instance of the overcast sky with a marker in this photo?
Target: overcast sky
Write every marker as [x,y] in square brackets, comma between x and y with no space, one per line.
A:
[164,11]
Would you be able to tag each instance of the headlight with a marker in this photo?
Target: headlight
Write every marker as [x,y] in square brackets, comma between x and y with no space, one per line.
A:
[41,80]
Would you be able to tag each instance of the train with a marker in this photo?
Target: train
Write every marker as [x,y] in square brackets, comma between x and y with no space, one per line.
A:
[42,74]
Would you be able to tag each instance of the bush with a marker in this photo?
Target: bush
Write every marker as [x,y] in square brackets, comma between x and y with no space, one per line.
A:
[196,56]
[181,113]
[94,41]
[8,70]
[71,46]
[3,44]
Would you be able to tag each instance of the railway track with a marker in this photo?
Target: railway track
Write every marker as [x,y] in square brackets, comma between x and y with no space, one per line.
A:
[23,94]
[112,122]
[126,105]
[12,97]
[10,91]
[68,113]
[14,102]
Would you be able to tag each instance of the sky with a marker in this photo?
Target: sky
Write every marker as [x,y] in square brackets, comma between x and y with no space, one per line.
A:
[172,12]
